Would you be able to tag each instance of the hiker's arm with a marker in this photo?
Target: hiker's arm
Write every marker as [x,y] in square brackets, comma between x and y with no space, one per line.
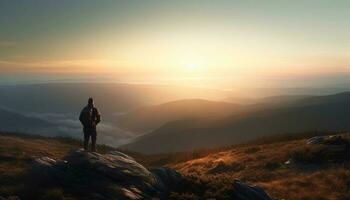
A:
[81,116]
[98,117]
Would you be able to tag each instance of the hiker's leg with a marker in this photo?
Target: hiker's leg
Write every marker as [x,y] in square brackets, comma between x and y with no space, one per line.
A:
[86,139]
[93,140]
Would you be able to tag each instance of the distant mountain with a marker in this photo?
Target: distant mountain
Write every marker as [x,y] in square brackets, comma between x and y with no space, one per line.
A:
[262,92]
[151,117]
[110,97]
[282,100]
[61,103]
[307,114]
[12,121]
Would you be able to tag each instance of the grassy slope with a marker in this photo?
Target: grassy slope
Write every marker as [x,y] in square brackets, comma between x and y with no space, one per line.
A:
[264,165]
[210,172]
[17,152]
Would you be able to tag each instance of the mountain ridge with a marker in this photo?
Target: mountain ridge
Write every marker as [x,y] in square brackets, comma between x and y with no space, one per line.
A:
[324,113]
[148,118]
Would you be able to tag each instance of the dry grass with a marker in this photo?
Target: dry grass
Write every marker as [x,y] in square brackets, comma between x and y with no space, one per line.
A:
[34,147]
[208,173]
[17,153]
[264,165]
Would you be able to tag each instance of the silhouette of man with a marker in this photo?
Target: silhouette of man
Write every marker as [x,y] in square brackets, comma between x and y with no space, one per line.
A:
[89,118]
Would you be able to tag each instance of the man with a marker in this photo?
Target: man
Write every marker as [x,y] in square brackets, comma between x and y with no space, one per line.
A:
[89,118]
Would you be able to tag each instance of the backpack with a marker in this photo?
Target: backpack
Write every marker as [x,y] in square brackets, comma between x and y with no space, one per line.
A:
[86,116]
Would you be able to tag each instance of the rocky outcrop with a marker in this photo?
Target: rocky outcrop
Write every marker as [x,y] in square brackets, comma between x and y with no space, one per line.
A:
[315,140]
[86,175]
[244,191]
[320,151]
[104,176]
[327,140]
[334,145]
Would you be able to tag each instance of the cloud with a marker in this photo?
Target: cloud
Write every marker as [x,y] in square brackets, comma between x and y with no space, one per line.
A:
[79,66]
[68,125]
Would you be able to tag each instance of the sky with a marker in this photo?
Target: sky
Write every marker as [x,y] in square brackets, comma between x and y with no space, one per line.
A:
[222,44]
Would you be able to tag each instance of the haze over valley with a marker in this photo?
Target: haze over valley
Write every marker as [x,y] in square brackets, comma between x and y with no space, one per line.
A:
[145,115]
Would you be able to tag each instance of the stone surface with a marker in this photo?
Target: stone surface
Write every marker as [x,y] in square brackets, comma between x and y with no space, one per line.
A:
[248,192]
[166,177]
[315,140]
[116,176]
[327,140]
[106,176]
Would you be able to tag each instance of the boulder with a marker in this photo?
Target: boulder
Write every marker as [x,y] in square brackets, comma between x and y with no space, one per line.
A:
[166,177]
[112,165]
[108,176]
[115,175]
[335,140]
[321,150]
[244,191]
[327,140]
[315,140]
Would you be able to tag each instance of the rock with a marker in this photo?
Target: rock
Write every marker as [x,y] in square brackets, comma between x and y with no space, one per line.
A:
[248,192]
[109,176]
[315,140]
[112,165]
[46,161]
[167,177]
[117,153]
[327,140]
[334,144]
[322,150]
[335,140]
[289,162]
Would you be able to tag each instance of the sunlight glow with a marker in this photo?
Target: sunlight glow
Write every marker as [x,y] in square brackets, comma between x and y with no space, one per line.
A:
[192,66]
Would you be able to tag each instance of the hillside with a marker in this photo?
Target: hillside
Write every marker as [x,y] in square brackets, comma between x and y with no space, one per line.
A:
[148,118]
[324,113]
[17,155]
[33,167]
[288,169]
[12,121]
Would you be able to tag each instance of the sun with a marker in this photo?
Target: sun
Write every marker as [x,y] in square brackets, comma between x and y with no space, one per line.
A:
[192,66]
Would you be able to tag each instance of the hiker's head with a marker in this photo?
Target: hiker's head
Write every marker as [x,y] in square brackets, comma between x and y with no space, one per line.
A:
[91,101]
